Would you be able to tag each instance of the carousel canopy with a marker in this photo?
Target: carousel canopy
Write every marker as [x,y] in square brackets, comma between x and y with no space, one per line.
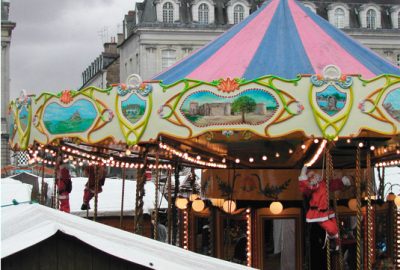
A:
[282,38]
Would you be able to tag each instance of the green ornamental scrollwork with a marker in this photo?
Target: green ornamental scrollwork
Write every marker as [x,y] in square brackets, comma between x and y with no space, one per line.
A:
[331,99]
[23,119]
[72,113]
[262,87]
[383,103]
[133,106]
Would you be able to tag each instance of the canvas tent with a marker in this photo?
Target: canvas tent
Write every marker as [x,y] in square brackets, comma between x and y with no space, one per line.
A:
[25,226]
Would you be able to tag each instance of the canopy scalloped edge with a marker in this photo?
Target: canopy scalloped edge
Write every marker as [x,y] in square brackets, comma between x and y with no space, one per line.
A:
[322,106]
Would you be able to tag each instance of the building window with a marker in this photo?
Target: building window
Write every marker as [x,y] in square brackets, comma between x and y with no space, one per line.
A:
[339,17]
[398,60]
[238,14]
[310,8]
[168,58]
[168,13]
[203,14]
[398,20]
[371,19]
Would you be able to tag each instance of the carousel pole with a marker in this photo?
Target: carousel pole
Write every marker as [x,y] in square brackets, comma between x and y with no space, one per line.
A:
[174,210]
[328,178]
[211,223]
[156,198]
[381,189]
[370,211]
[359,214]
[56,168]
[122,197]
[42,183]
[330,170]
[169,178]
[140,192]
[96,193]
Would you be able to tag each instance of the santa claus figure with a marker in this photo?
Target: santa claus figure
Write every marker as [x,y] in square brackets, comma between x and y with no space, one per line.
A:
[64,186]
[314,186]
[91,188]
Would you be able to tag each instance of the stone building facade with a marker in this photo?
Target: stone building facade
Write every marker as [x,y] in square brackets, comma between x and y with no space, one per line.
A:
[159,33]
[6,31]
[104,70]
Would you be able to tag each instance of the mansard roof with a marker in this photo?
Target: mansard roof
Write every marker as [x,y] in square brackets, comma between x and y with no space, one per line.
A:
[354,8]
[282,38]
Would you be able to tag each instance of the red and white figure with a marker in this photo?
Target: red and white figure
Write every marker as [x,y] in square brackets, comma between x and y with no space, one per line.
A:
[93,173]
[64,186]
[314,186]
[148,175]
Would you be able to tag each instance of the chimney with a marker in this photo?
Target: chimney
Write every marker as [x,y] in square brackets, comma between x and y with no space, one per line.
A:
[111,47]
[120,38]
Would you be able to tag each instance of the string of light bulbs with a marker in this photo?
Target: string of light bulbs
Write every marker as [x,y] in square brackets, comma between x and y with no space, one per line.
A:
[191,159]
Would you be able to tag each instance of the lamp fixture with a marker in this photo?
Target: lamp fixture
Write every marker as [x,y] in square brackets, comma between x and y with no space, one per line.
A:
[352,204]
[181,203]
[198,205]
[229,206]
[276,208]
[217,202]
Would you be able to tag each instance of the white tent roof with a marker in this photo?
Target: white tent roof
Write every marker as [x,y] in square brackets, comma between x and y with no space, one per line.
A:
[26,225]
[109,200]
[14,190]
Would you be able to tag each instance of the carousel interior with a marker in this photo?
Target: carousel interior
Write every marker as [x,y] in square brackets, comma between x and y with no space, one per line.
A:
[247,222]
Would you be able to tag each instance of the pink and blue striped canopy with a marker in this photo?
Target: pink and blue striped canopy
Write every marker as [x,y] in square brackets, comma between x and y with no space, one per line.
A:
[282,38]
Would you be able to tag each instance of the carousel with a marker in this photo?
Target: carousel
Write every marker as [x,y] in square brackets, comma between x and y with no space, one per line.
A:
[287,118]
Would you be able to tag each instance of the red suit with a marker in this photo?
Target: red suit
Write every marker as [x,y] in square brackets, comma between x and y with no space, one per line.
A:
[90,187]
[312,186]
[64,186]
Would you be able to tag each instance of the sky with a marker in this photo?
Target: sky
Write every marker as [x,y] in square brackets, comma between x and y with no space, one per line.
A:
[55,41]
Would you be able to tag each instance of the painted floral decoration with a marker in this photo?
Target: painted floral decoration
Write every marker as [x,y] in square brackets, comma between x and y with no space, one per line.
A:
[163,111]
[66,96]
[123,89]
[23,100]
[145,89]
[317,80]
[361,106]
[300,107]
[35,120]
[228,85]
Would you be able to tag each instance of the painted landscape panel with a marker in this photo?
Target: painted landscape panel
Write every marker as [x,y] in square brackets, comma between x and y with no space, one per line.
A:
[251,107]
[78,117]
[392,104]
[331,100]
[23,118]
[133,108]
